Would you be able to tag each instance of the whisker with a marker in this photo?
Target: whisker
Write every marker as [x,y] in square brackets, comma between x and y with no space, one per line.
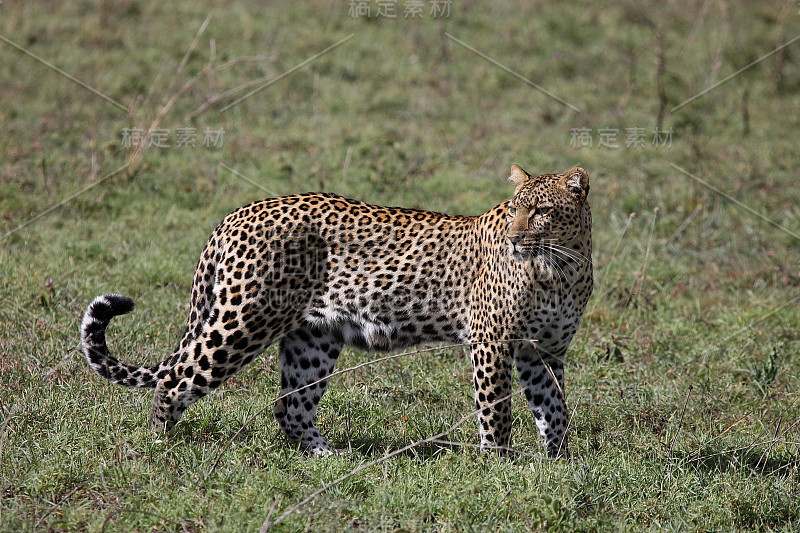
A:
[552,266]
[563,275]
[565,261]
[563,254]
[574,259]
[571,252]
[567,249]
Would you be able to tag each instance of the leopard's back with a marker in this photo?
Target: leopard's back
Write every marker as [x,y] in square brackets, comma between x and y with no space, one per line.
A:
[378,277]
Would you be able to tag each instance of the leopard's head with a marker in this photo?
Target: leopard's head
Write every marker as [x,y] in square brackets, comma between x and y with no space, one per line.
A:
[546,214]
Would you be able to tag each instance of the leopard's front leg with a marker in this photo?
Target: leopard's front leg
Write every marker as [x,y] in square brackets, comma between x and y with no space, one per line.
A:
[491,371]
[543,382]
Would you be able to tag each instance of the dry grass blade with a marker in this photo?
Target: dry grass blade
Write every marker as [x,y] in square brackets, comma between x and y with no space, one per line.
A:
[264,84]
[645,262]
[218,97]
[496,507]
[600,296]
[138,152]
[680,422]
[192,46]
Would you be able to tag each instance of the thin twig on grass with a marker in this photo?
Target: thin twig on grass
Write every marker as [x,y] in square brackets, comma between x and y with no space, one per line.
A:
[504,449]
[569,422]
[732,450]
[698,23]
[719,55]
[266,525]
[777,438]
[637,291]
[64,359]
[57,505]
[700,205]
[746,327]
[169,101]
[780,59]
[496,507]
[191,49]
[528,521]
[264,82]
[347,429]
[631,216]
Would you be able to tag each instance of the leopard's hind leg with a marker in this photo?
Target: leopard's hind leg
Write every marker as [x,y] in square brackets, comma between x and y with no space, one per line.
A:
[229,339]
[307,356]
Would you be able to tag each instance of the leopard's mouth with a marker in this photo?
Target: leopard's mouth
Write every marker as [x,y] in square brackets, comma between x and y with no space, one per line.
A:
[521,256]
[525,252]
[534,256]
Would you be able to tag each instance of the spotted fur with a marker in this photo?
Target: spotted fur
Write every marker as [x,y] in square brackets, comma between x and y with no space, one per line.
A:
[316,272]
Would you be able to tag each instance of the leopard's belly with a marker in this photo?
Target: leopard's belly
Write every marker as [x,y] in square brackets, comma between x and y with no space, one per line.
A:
[390,324]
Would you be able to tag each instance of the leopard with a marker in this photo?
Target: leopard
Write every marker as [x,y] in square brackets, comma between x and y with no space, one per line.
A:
[316,272]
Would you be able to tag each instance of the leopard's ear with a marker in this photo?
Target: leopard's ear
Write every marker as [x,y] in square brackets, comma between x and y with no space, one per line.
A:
[518,176]
[576,181]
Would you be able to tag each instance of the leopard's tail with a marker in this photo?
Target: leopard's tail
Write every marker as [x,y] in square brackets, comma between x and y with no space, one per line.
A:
[93,340]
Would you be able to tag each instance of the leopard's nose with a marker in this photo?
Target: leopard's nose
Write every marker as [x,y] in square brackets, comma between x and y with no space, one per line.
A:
[515,239]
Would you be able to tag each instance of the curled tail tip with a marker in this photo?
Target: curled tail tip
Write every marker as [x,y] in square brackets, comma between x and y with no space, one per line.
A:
[108,306]
[98,315]
[93,340]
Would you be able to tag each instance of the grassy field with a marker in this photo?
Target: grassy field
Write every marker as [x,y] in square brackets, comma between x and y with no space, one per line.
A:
[684,380]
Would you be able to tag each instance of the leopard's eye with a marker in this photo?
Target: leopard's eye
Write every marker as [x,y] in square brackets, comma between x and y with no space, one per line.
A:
[512,211]
[543,211]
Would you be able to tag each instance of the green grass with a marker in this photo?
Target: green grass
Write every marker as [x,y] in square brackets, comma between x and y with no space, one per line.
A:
[685,375]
